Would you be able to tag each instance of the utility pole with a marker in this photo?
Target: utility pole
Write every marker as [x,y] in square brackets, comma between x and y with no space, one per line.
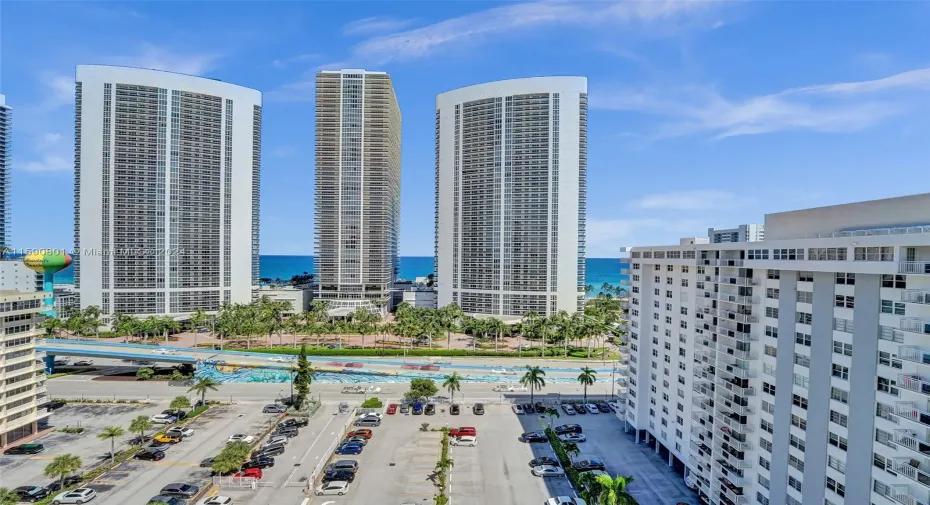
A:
[613,381]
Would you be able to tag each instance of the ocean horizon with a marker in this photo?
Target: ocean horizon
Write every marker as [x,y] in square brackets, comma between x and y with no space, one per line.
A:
[273,266]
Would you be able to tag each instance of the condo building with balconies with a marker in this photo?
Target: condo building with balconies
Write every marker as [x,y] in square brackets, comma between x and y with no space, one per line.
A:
[22,371]
[6,167]
[795,370]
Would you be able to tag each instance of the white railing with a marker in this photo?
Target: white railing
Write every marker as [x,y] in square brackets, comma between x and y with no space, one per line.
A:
[904,467]
[729,386]
[740,373]
[727,425]
[914,382]
[725,262]
[738,499]
[914,354]
[732,406]
[909,439]
[916,296]
[733,352]
[736,335]
[914,267]
[915,325]
[736,444]
[910,411]
[897,230]
[902,495]
[739,281]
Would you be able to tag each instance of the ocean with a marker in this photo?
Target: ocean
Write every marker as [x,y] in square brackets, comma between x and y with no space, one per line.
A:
[597,272]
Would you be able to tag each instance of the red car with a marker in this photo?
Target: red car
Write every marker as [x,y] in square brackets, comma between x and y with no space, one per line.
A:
[392,409]
[254,473]
[464,431]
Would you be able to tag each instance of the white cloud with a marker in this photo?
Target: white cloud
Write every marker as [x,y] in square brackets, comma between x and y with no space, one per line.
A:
[59,90]
[160,58]
[49,163]
[690,200]
[48,140]
[375,24]
[604,238]
[654,16]
[834,108]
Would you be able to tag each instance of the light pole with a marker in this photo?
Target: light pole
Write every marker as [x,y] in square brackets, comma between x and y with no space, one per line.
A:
[613,381]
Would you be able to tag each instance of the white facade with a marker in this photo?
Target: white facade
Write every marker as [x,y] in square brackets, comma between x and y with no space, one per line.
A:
[166,191]
[298,298]
[6,167]
[22,390]
[16,276]
[420,297]
[511,162]
[742,233]
[791,371]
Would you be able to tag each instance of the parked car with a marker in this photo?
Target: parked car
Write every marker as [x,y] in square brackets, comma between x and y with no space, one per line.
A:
[463,431]
[517,409]
[368,421]
[167,439]
[404,408]
[216,500]
[540,407]
[163,419]
[287,400]
[274,408]
[568,409]
[466,440]
[167,500]
[564,500]
[356,440]
[180,489]
[343,475]
[270,452]
[343,408]
[455,409]
[417,409]
[166,352]
[288,431]
[84,362]
[80,496]
[280,359]
[337,487]
[587,465]
[361,432]
[392,409]
[478,409]
[548,471]
[533,437]
[574,438]
[349,449]
[31,493]
[579,408]
[180,431]
[604,408]
[567,428]
[150,455]
[54,405]
[378,415]
[343,464]
[159,446]
[544,460]
[259,462]
[180,415]
[24,449]
[430,409]
[299,422]
[241,438]
[249,473]
[207,463]
[592,408]
[67,481]
[276,439]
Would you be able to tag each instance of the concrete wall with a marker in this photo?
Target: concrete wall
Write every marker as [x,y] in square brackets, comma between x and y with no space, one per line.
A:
[889,212]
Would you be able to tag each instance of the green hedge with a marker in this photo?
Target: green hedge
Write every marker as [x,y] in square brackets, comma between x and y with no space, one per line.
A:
[325,351]
[573,476]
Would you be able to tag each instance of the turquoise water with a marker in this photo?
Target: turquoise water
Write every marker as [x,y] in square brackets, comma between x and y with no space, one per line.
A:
[598,271]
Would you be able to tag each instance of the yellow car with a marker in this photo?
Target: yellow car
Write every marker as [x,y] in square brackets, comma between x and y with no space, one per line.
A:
[167,439]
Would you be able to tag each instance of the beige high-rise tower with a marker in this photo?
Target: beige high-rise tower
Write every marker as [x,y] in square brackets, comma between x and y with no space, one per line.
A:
[357,189]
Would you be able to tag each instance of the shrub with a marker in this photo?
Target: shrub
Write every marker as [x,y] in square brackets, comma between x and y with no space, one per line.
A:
[325,351]
[564,459]
[145,373]
[424,427]
[72,430]
[421,388]
[372,403]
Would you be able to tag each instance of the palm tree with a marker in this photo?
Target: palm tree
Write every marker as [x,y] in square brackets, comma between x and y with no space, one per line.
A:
[198,318]
[168,325]
[8,497]
[551,412]
[62,466]
[613,490]
[571,449]
[92,318]
[140,425]
[453,383]
[52,326]
[587,378]
[495,326]
[110,433]
[534,378]
[444,464]
[201,387]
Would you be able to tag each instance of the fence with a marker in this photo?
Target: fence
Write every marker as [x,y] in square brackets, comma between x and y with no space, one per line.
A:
[318,470]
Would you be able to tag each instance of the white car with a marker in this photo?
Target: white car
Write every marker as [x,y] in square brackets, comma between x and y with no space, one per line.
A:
[277,439]
[379,415]
[216,500]
[592,408]
[241,438]
[181,431]
[339,487]
[466,440]
[517,409]
[280,359]
[564,500]
[166,351]
[163,419]
[84,362]
[548,471]
[575,438]
[79,496]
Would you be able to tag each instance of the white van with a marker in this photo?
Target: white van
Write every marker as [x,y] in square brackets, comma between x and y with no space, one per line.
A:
[466,440]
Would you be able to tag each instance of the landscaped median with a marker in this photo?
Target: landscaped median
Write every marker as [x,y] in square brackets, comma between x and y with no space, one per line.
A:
[443,466]
[435,353]
[573,476]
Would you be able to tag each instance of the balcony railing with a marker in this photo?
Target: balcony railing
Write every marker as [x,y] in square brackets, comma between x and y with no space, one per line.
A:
[914,382]
[905,468]
[916,296]
[724,262]
[731,406]
[910,439]
[730,441]
[699,432]
[728,425]
[914,354]
[915,325]
[729,386]
[739,336]
[734,353]
[740,373]
[738,499]
[738,281]
[732,478]
[904,496]
[912,412]
[914,267]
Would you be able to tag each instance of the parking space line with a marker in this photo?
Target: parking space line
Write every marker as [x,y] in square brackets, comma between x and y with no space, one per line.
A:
[307,453]
[43,458]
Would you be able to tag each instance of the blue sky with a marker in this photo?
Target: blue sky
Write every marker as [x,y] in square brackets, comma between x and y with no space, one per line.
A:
[702,113]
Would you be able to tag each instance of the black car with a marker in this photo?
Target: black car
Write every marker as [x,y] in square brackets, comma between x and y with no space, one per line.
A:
[344,475]
[534,437]
[287,400]
[148,455]
[404,408]
[587,465]
[207,463]
[138,440]
[289,432]
[603,407]
[68,481]
[54,405]
[567,428]
[179,414]
[430,409]
[24,449]
[545,460]
[579,408]
[31,493]
[180,490]
[529,408]
[479,409]
[455,409]
[541,408]
[298,422]
[259,462]
[269,452]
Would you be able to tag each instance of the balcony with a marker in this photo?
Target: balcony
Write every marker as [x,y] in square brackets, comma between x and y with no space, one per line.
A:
[738,281]
[701,432]
[912,412]
[914,354]
[739,373]
[738,336]
[731,478]
[914,382]
[914,267]
[915,325]
[729,386]
[725,262]
[910,439]
[905,496]
[734,494]
[733,352]
[921,296]
[905,467]
[738,317]
[705,404]
[700,416]
[729,441]
[731,406]
[700,447]
[727,425]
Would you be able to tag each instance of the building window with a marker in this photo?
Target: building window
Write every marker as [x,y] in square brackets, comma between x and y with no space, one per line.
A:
[799,401]
[839,395]
[771,312]
[803,360]
[841,372]
[842,348]
[838,418]
[886,385]
[764,463]
[894,281]
[837,441]
[799,422]
[802,317]
[757,254]
[788,254]
[874,254]
[847,279]
[768,388]
[771,350]
[796,442]
[684,283]
[836,487]
[845,301]
[802,338]
[884,358]
[773,274]
[844,325]
[771,293]
[827,254]
[805,276]
[891,307]
[765,444]
[795,483]
[763,481]
[836,464]
[766,426]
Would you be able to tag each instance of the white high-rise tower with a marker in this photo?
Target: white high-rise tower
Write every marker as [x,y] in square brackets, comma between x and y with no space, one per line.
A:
[6,165]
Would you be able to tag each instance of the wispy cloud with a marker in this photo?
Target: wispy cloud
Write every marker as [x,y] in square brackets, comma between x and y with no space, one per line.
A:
[376,24]
[161,58]
[49,163]
[834,108]
[286,62]
[690,200]
[482,26]
[59,91]
[51,154]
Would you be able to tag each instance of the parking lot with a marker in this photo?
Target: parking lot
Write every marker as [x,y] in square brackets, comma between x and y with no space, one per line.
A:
[28,470]
[654,482]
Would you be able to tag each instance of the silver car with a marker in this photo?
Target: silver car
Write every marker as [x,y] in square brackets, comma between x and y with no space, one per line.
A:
[337,487]
[79,496]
